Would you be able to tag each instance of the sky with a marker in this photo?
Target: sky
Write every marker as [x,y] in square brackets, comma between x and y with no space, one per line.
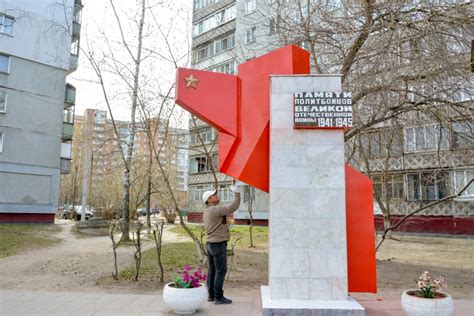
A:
[100,35]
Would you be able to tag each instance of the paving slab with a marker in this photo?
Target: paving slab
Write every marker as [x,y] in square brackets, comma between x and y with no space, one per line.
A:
[31,303]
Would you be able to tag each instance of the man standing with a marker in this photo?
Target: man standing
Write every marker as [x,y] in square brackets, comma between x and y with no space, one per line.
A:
[215,223]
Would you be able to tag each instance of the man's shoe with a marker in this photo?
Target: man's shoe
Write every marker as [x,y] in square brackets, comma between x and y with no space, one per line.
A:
[210,299]
[222,301]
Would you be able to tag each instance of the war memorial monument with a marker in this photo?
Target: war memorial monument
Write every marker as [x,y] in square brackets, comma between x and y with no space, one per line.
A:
[281,130]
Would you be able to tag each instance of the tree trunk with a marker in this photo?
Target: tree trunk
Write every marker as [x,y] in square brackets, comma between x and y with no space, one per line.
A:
[132,128]
[250,210]
[148,193]
[126,206]
[74,185]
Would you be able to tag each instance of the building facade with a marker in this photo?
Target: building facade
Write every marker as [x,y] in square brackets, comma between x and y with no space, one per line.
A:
[415,160]
[225,34]
[39,47]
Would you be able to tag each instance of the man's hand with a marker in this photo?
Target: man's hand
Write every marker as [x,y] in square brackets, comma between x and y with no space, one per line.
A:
[234,188]
[236,185]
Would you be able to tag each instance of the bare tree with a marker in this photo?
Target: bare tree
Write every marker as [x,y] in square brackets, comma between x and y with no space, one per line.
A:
[158,238]
[137,244]
[114,228]
[407,65]
[127,68]
[249,194]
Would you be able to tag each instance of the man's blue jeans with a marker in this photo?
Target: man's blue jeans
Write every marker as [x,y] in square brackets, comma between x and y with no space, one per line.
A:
[217,263]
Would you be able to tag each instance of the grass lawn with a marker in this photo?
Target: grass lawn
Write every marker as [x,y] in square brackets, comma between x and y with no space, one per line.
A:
[15,238]
[260,235]
[399,263]
[249,266]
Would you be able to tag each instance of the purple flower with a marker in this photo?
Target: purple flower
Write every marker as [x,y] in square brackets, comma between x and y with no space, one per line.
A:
[186,278]
[190,278]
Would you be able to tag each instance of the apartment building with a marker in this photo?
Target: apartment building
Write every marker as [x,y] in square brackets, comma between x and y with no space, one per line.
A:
[39,47]
[414,160]
[105,155]
[225,34]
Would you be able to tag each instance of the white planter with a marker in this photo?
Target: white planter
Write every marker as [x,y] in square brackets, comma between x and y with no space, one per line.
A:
[419,306]
[184,301]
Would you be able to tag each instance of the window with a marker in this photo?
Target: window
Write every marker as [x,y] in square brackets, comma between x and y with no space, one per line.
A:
[204,53]
[77,14]
[377,185]
[249,194]
[214,48]
[199,4]
[455,42]
[461,178]
[228,68]
[206,136]
[332,3]
[224,44]
[68,115]
[197,191]
[1,142]
[250,35]
[381,142]
[4,63]
[224,192]
[70,95]
[199,165]
[75,46]
[463,135]
[250,6]
[214,21]
[426,186]
[403,52]
[395,186]
[391,188]
[3,102]
[273,26]
[6,24]
[305,45]
[429,137]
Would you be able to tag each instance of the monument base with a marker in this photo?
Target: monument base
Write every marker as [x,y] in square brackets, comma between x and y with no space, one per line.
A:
[293,307]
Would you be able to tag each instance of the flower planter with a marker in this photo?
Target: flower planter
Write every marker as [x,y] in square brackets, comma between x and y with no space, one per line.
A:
[184,301]
[419,306]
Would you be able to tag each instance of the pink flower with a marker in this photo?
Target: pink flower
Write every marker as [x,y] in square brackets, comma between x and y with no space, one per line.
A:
[190,278]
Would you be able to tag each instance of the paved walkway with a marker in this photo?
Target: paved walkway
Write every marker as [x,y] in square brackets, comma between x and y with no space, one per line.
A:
[19,303]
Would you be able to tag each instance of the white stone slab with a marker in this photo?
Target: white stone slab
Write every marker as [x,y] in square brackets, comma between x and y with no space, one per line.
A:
[308,255]
[290,203]
[323,202]
[290,307]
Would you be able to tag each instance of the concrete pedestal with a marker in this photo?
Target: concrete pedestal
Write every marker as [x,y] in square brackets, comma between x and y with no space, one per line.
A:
[290,307]
[308,253]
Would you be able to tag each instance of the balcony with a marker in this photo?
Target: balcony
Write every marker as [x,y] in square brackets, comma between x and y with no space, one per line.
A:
[76,29]
[65,166]
[73,63]
[66,150]
[68,130]
[69,96]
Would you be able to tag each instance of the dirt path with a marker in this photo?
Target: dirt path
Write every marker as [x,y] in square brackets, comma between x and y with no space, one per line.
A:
[75,264]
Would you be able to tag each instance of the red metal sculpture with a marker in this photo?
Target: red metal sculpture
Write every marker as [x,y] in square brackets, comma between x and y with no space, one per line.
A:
[239,108]
[221,100]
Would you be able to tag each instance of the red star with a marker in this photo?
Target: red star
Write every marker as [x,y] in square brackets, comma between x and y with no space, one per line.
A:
[191,82]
